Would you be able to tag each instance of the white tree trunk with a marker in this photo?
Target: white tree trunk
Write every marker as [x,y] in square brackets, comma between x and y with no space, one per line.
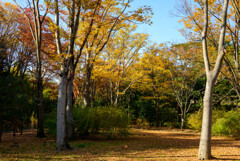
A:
[205,141]
[70,131]
[61,113]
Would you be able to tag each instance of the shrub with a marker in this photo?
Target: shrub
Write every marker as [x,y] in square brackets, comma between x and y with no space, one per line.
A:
[194,120]
[106,121]
[171,124]
[142,123]
[50,123]
[229,125]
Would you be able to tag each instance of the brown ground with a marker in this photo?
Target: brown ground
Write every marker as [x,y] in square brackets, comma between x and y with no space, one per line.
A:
[142,145]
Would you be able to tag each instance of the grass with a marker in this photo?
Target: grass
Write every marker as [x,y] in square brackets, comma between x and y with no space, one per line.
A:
[142,145]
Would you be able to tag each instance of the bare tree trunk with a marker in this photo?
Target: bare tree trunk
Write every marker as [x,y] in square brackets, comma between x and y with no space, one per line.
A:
[40,114]
[69,109]
[182,121]
[87,86]
[117,94]
[205,141]
[93,89]
[62,141]
[66,74]
[111,92]
[36,31]
[236,43]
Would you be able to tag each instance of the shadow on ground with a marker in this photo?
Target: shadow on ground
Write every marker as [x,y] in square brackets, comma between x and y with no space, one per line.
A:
[143,145]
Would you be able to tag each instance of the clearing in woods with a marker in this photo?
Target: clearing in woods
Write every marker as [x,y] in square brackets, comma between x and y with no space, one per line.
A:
[160,144]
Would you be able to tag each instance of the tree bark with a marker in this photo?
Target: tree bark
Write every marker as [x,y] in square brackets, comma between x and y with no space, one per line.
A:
[111,92]
[205,141]
[36,31]
[66,74]
[182,121]
[40,107]
[93,90]
[87,86]
[69,113]
[117,93]
[62,141]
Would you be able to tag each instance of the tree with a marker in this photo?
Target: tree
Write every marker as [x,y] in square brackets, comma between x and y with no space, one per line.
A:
[194,25]
[184,74]
[99,21]
[154,80]
[17,92]
[111,17]
[205,141]
[119,60]
[36,31]
[66,55]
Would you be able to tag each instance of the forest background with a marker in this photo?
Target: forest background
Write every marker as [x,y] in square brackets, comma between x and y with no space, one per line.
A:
[82,63]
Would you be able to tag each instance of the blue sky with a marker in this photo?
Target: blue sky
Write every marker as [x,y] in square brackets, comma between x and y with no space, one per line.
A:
[165,26]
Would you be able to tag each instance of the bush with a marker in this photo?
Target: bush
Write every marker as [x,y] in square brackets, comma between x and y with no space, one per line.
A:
[229,125]
[106,121]
[142,123]
[50,123]
[194,120]
[171,124]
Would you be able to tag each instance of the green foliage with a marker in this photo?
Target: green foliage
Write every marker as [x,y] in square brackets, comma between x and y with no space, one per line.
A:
[16,101]
[50,104]
[142,123]
[50,123]
[228,125]
[106,121]
[50,99]
[167,116]
[195,119]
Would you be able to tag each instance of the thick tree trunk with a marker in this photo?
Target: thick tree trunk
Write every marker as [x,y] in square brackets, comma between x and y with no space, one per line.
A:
[111,92]
[205,141]
[62,143]
[93,90]
[183,117]
[69,109]
[116,101]
[87,87]
[36,31]
[40,114]
[182,122]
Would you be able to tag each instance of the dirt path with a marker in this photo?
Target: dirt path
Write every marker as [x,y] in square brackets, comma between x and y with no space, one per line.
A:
[142,145]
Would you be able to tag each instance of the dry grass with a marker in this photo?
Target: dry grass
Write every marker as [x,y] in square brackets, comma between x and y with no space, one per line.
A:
[142,145]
